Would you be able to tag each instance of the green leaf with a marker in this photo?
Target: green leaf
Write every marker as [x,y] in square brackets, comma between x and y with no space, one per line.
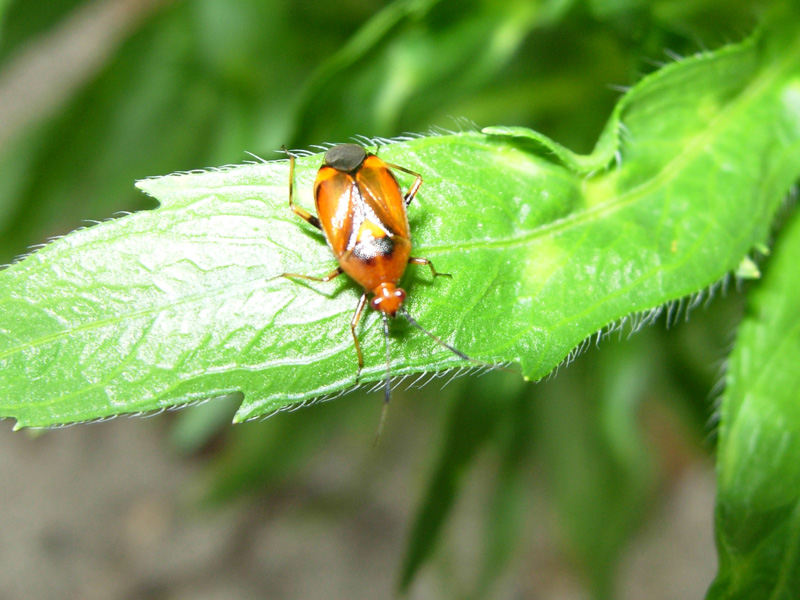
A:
[758,470]
[181,303]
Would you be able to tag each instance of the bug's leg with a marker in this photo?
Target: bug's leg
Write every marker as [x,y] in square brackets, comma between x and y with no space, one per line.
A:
[412,191]
[332,275]
[425,261]
[300,212]
[356,318]
[387,388]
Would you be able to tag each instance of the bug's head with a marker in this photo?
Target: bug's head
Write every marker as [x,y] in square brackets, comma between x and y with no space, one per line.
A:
[345,157]
[388,298]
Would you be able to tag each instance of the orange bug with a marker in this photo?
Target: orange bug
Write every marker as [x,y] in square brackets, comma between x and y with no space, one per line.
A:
[362,213]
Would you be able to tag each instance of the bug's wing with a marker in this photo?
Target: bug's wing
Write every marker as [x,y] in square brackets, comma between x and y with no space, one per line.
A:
[335,194]
[381,193]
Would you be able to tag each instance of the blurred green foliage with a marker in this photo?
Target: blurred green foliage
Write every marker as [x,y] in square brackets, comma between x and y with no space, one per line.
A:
[190,84]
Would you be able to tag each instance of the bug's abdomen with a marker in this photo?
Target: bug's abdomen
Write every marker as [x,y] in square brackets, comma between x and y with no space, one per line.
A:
[376,260]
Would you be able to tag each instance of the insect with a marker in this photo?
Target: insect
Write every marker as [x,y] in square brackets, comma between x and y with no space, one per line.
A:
[362,213]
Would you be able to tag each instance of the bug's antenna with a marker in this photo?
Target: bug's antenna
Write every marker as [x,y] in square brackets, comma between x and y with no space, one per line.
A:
[438,340]
[387,390]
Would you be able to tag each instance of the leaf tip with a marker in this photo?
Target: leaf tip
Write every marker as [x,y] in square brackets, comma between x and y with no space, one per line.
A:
[146,185]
